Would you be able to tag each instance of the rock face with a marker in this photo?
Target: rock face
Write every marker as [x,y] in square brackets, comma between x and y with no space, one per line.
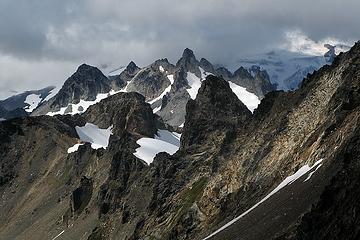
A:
[215,109]
[138,120]
[85,84]
[287,171]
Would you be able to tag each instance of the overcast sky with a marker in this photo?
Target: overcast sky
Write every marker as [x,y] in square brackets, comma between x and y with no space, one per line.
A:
[43,41]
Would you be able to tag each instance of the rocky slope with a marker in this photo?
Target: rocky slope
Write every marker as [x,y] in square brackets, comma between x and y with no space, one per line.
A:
[283,172]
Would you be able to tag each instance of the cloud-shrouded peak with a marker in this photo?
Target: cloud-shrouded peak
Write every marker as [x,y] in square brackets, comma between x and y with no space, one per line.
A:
[297,41]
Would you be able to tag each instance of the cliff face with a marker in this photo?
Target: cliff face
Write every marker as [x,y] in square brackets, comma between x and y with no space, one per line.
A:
[293,162]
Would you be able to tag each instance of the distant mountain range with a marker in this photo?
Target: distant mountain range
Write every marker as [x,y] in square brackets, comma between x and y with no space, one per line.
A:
[168,87]
[287,69]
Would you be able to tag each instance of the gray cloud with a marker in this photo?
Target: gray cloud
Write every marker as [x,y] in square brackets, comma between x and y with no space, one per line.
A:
[41,38]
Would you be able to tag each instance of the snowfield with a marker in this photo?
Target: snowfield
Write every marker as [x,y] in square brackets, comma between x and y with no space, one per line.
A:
[83,105]
[164,141]
[289,180]
[250,100]
[74,148]
[99,138]
[33,100]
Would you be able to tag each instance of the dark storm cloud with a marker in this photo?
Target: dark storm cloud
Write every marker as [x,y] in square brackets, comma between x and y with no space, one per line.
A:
[66,33]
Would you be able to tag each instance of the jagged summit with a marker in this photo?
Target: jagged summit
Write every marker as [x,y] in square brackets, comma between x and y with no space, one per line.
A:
[188,53]
[188,60]
[242,72]
[215,105]
[131,67]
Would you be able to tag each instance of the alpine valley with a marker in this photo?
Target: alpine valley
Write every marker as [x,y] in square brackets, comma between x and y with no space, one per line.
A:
[187,151]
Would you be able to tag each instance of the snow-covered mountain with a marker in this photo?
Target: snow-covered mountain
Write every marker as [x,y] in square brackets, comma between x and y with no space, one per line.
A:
[287,69]
[167,87]
[25,103]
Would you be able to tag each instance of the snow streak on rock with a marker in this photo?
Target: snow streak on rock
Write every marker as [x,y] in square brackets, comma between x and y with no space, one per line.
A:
[289,180]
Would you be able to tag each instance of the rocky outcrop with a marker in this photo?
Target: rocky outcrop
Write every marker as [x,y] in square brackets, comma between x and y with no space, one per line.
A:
[216,108]
[126,112]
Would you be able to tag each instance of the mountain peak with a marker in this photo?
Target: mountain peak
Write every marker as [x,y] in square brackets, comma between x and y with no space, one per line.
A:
[84,67]
[330,55]
[131,67]
[222,108]
[188,53]
[242,72]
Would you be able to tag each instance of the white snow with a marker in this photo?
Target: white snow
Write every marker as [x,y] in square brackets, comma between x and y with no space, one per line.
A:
[2,119]
[195,83]
[161,69]
[58,235]
[285,68]
[164,141]
[289,180]
[171,78]
[181,125]
[311,173]
[155,110]
[165,91]
[74,148]
[99,138]
[83,105]
[126,87]
[52,94]
[250,100]
[33,100]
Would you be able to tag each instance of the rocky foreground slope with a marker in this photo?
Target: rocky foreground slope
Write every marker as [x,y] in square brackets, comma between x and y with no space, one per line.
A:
[290,170]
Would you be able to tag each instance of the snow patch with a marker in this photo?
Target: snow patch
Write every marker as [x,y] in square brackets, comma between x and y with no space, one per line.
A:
[155,110]
[171,78]
[52,94]
[164,141]
[74,148]
[33,101]
[161,69]
[311,173]
[99,138]
[250,100]
[58,235]
[2,119]
[164,92]
[83,105]
[194,82]
[289,180]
